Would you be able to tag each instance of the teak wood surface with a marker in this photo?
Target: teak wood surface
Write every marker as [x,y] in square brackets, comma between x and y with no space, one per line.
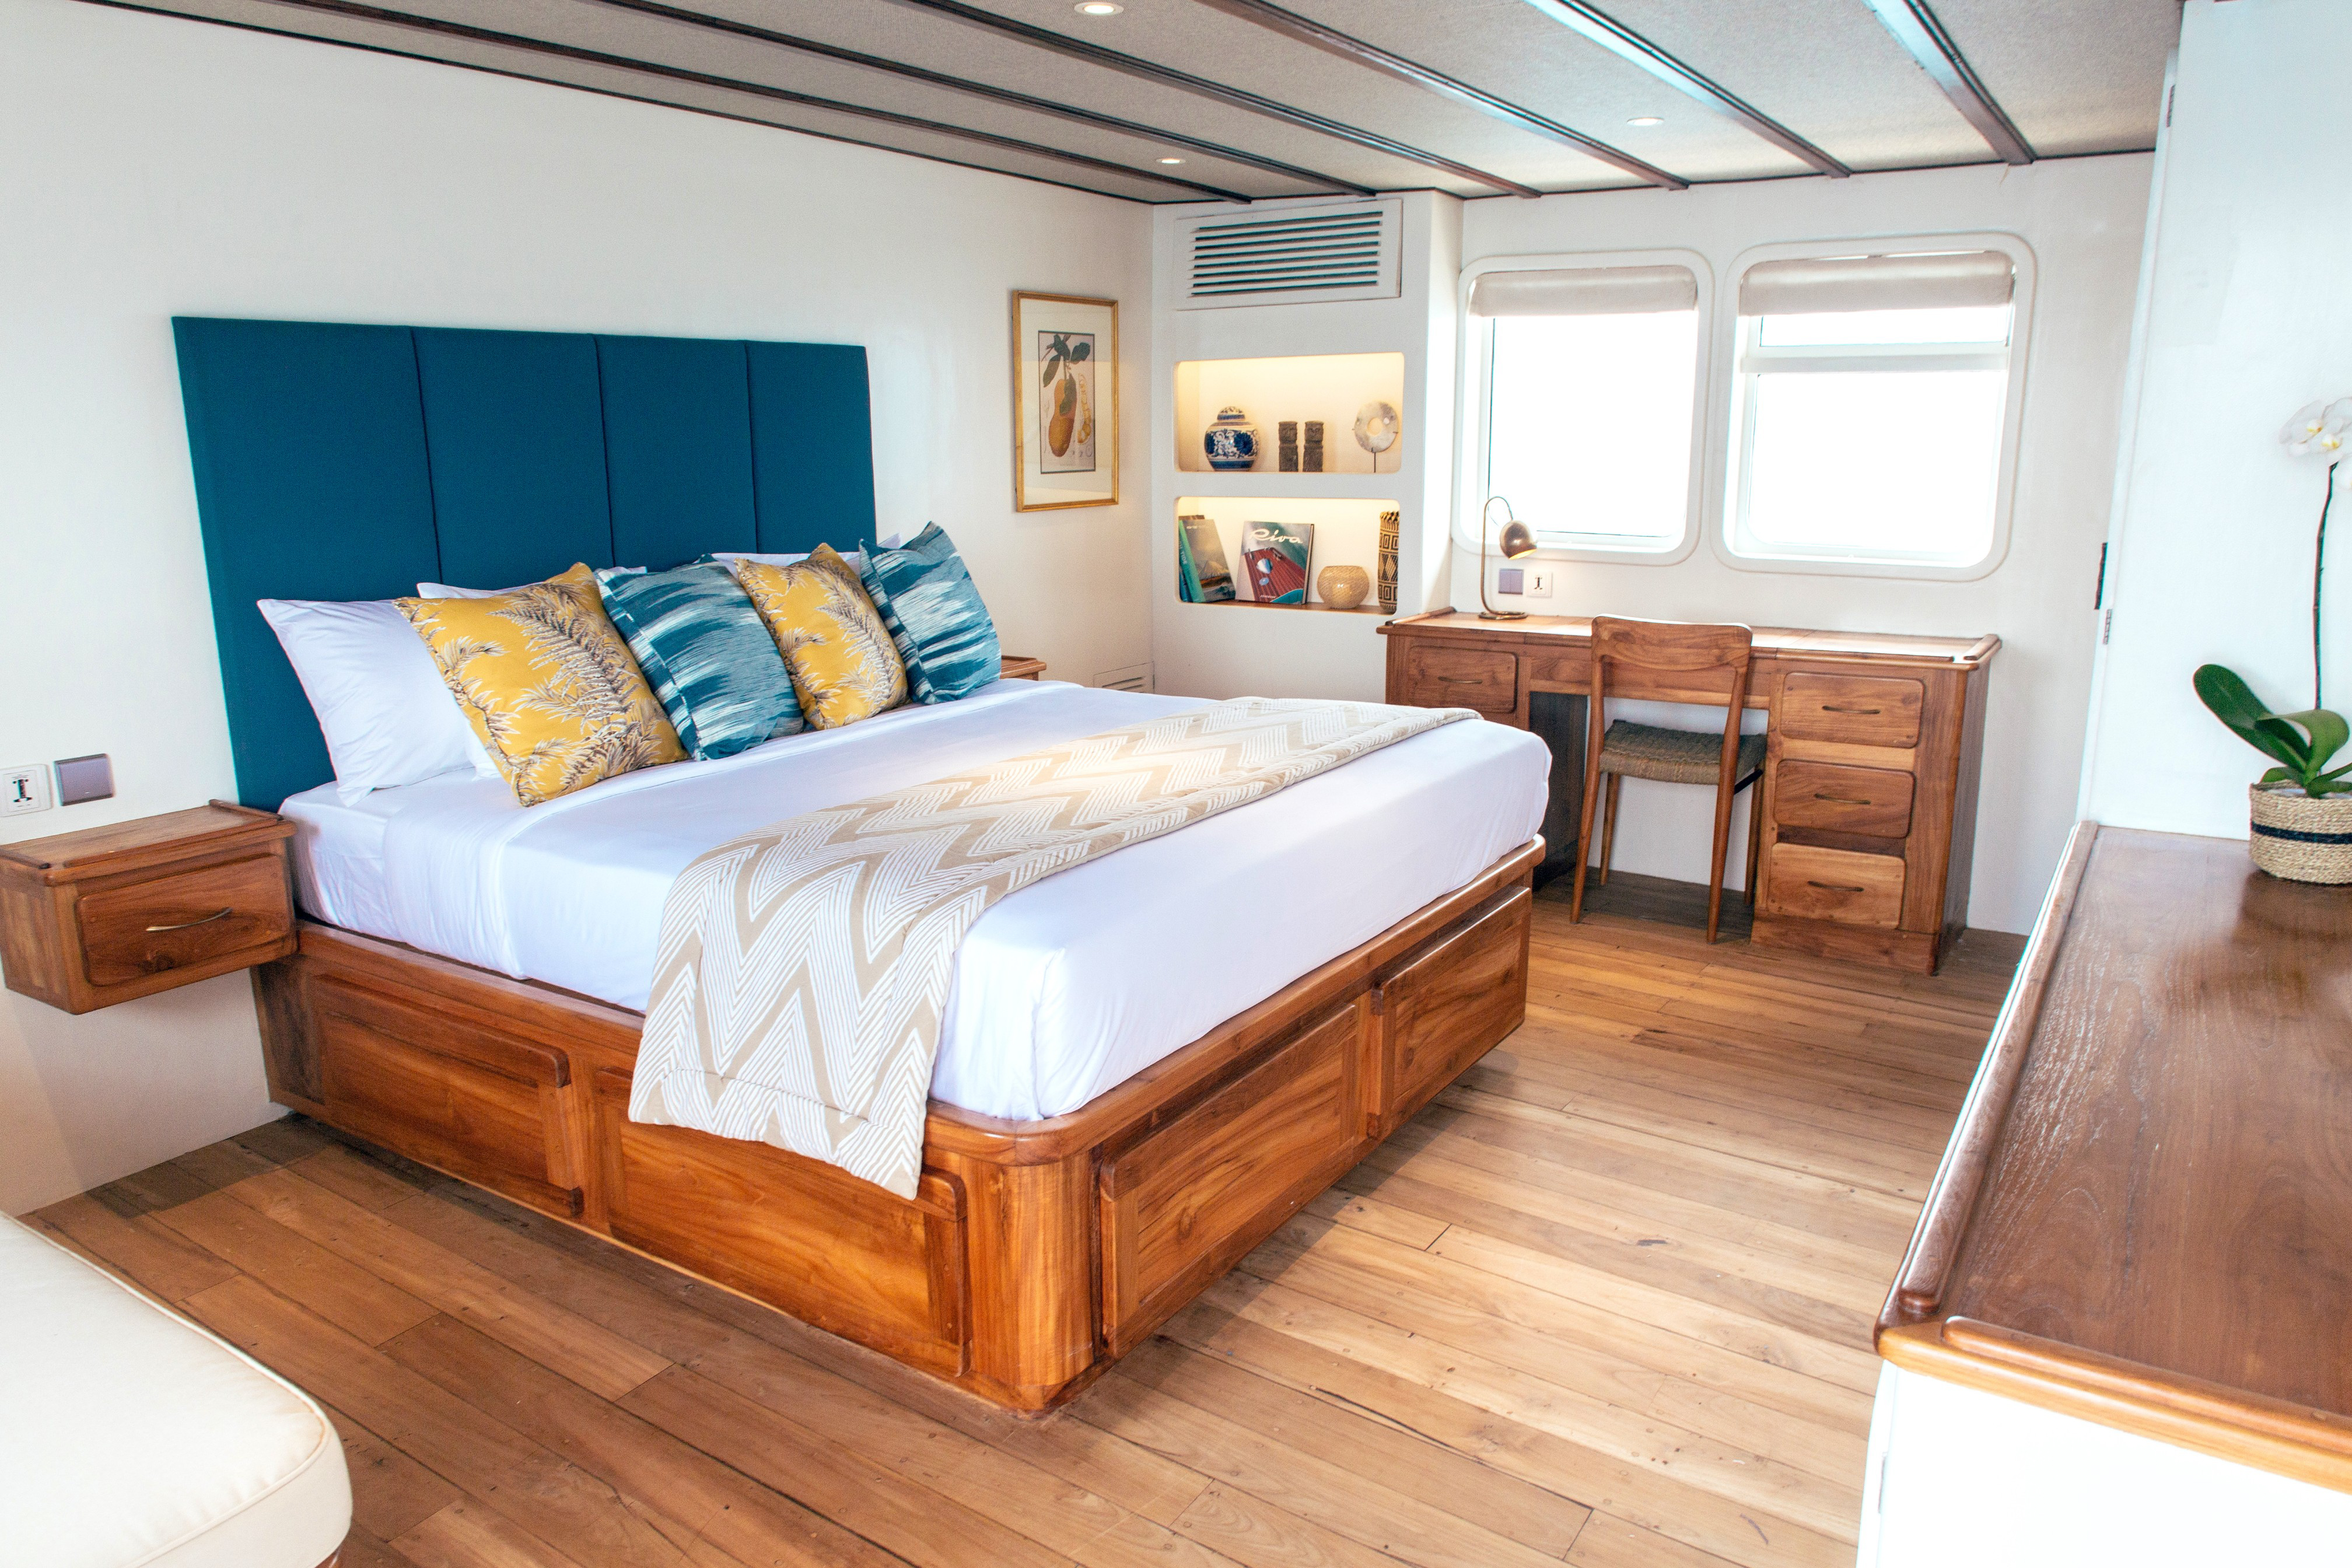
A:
[1033,1253]
[1878,706]
[1605,1300]
[2145,1215]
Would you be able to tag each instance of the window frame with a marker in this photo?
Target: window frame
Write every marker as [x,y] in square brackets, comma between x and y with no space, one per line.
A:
[1728,407]
[1474,372]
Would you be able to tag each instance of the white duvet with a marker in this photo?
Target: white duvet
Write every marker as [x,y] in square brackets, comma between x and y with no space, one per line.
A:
[1061,991]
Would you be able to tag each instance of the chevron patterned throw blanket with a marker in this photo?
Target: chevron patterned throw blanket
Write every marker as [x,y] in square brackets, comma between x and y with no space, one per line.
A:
[802,969]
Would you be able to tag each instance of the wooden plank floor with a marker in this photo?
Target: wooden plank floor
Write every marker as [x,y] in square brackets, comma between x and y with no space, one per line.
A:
[1607,1302]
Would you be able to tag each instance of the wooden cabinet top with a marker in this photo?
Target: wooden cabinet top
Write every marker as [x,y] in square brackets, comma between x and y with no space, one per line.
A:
[1771,642]
[2145,1216]
[144,842]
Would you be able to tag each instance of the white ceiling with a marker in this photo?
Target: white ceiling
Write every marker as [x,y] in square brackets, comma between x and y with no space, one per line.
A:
[2073,76]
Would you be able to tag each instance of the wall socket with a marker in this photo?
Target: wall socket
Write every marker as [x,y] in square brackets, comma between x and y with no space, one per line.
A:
[25,789]
[1539,581]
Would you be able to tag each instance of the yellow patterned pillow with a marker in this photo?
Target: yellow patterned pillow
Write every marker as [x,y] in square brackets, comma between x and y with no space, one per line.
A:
[843,663]
[548,684]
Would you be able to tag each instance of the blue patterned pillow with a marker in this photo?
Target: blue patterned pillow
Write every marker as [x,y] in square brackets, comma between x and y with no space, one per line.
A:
[935,616]
[706,652]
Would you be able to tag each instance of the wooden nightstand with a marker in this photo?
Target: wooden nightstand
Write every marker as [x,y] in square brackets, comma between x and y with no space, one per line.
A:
[1021,666]
[91,919]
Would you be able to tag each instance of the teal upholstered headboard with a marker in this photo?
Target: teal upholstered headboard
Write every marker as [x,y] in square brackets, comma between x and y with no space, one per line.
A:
[354,462]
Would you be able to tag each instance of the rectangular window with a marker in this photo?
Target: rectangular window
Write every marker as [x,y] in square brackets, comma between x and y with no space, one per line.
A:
[1871,414]
[1592,380]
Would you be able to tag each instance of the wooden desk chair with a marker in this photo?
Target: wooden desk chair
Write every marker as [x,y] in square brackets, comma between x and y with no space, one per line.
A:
[1707,653]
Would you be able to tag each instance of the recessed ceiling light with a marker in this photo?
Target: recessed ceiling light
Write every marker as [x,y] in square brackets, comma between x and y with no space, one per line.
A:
[1098,8]
[1647,120]
[1171,159]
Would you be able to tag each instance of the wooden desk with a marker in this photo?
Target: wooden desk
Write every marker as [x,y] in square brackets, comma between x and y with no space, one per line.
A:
[2145,1215]
[1869,794]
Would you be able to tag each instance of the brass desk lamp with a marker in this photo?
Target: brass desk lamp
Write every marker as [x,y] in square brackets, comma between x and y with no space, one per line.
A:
[1517,540]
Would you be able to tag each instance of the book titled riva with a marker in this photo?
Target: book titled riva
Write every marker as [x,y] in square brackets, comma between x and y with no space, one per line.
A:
[1273,560]
[1202,574]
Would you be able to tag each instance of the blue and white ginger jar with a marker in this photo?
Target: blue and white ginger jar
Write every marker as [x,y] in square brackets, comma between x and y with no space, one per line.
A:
[1232,441]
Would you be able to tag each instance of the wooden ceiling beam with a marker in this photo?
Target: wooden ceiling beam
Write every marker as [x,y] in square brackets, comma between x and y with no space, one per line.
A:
[1087,117]
[1290,25]
[1234,97]
[1920,31]
[1632,48]
[438,28]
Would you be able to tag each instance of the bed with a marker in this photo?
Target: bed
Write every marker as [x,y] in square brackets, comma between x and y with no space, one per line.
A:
[1149,1062]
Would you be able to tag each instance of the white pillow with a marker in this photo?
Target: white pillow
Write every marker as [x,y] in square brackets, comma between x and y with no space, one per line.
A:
[387,717]
[444,591]
[855,557]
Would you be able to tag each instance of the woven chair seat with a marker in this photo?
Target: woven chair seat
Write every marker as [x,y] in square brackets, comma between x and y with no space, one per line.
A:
[1673,756]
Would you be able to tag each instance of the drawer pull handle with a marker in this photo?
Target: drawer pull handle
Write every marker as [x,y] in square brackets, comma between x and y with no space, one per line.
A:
[217,915]
[1462,679]
[1839,799]
[1848,708]
[1834,887]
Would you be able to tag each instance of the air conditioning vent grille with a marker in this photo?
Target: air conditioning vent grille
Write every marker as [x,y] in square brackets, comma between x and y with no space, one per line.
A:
[1290,256]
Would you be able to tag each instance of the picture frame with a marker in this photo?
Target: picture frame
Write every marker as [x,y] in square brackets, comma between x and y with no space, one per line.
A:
[1064,402]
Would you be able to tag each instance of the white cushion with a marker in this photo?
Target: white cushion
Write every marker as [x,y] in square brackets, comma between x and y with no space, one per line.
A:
[129,1435]
[734,558]
[388,718]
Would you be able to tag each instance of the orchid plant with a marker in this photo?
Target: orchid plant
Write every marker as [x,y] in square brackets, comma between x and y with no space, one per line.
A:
[2319,430]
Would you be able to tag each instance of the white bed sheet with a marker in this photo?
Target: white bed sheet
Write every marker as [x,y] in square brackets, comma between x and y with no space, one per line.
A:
[1063,990]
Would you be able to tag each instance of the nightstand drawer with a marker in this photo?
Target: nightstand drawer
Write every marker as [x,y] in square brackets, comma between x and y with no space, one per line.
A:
[1872,801]
[183,920]
[1858,709]
[1462,678]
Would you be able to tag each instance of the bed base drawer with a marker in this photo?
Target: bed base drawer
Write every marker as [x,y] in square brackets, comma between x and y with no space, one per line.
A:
[1184,1205]
[839,1253]
[452,1089]
[1450,1004]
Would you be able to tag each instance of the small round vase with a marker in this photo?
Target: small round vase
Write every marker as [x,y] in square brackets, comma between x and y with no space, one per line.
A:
[1342,587]
[1231,442]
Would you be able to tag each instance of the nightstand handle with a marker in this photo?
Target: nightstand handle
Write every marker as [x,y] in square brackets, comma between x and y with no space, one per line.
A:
[220,915]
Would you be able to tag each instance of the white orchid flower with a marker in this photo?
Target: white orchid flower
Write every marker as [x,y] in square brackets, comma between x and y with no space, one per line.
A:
[2319,429]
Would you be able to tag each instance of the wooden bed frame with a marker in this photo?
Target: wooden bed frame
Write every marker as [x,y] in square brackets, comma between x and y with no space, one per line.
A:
[1033,1254]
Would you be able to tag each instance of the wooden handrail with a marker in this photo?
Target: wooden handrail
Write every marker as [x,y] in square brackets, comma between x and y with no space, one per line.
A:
[1926,1269]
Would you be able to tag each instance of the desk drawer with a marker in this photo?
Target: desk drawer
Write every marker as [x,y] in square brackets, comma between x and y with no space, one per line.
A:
[1858,709]
[1873,801]
[1818,884]
[1461,677]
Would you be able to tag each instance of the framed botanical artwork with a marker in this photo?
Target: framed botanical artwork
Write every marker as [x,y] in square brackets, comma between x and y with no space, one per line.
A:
[1064,402]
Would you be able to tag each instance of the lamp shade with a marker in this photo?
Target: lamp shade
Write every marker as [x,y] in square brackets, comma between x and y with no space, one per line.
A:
[1516,539]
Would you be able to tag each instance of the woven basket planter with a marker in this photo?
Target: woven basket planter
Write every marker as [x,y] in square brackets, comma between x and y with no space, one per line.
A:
[2299,838]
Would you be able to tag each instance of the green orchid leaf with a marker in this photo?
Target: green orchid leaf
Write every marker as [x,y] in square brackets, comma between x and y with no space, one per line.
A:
[2328,731]
[2281,775]
[1080,352]
[2234,702]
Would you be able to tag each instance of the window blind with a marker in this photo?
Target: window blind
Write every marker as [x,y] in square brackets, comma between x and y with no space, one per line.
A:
[1820,286]
[1584,292]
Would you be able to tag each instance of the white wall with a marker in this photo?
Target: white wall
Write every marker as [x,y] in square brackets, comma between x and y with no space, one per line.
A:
[2083,219]
[2248,319]
[158,166]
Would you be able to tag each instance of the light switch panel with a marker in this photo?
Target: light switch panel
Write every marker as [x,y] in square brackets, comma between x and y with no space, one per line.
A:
[1510,579]
[85,778]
